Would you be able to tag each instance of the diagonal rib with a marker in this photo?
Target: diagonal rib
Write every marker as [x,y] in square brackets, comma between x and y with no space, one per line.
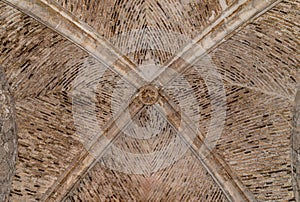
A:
[49,14]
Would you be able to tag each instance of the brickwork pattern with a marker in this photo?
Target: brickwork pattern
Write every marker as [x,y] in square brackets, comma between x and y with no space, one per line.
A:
[259,66]
[158,20]
[175,183]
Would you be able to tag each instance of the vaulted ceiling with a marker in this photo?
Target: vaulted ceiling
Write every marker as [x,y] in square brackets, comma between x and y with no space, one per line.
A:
[157,100]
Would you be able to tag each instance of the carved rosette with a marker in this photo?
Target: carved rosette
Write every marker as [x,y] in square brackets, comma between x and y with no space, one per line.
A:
[148,95]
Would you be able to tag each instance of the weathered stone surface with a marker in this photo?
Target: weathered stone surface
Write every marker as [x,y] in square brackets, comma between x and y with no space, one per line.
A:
[296,146]
[8,138]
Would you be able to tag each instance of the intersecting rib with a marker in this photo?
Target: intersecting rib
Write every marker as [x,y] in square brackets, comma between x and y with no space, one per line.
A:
[79,33]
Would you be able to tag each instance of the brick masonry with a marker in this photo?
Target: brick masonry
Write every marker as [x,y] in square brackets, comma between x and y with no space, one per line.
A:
[259,67]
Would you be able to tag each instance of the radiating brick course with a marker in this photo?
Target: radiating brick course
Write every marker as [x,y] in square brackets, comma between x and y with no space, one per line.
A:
[241,85]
